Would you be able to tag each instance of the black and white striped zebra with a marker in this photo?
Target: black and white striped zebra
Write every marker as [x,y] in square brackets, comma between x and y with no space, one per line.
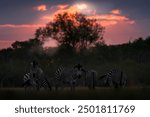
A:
[86,77]
[115,78]
[65,77]
[36,83]
[28,81]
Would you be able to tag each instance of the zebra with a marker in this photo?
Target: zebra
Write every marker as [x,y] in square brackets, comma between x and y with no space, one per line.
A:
[115,78]
[35,83]
[65,77]
[28,81]
[88,77]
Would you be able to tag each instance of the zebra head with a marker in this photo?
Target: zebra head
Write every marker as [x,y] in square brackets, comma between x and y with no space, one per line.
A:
[79,71]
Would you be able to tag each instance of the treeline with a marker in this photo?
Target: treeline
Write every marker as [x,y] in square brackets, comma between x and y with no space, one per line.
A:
[132,57]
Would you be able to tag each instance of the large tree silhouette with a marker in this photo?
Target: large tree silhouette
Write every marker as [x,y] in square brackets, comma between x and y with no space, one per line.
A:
[74,30]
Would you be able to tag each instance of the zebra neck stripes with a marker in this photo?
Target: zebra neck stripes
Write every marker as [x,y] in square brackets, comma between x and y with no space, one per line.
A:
[66,76]
[29,81]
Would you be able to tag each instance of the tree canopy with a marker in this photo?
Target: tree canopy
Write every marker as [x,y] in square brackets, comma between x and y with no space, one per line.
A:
[27,44]
[74,30]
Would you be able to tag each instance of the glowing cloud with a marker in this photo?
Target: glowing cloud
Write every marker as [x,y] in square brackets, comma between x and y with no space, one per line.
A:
[106,23]
[81,6]
[41,8]
[116,11]
[63,6]
[112,18]
[21,26]
[109,17]
[70,9]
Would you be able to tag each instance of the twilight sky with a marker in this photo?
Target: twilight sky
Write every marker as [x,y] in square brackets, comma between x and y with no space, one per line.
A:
[124,20]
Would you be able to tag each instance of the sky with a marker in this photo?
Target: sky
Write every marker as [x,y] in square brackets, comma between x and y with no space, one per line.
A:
[124,20]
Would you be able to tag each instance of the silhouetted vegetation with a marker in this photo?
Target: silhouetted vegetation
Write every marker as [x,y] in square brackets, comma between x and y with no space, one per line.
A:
[133,58]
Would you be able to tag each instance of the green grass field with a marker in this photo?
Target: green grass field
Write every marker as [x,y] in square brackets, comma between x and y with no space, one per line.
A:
[130,93]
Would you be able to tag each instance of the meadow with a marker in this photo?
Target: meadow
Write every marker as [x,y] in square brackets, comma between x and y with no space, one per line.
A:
[100,93]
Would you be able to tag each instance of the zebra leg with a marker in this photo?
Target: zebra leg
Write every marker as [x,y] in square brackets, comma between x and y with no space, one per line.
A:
[46,83]
[124,80]
[56,87]
[37,85]
[93,79]
[116,85]
[56,84]
[73,85]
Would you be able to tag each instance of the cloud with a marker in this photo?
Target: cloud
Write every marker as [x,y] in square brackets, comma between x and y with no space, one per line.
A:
[106,23]
[116,11]
[131,22]
[80,8]
[60,9]
[112,18]
[70,9]
[62,6]
[109,17]
[41,8]
[47,17]
[21,26]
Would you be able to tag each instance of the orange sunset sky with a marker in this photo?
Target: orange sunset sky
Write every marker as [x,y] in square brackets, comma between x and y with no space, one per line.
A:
[124,20]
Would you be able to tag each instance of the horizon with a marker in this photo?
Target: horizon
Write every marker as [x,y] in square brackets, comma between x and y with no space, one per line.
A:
[123,21]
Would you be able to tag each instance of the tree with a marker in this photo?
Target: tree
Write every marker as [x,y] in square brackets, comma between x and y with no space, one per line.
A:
[27,44]
[27,49]
[73,30]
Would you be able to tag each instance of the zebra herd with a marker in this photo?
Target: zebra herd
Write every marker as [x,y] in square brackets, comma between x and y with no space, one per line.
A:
[73,77]
[35,83]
